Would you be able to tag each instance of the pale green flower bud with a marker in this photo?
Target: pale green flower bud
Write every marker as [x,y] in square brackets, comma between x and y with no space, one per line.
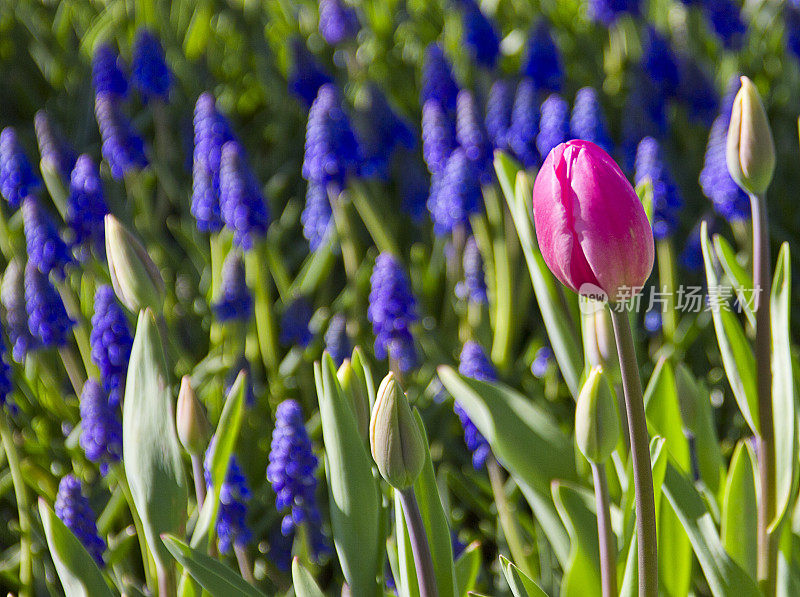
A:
[751,150]
[137,282]
[596,422]
[356,393]
[194,430]
[395,440]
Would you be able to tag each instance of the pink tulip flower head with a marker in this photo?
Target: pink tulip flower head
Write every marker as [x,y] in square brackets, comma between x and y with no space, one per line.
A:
[592,229]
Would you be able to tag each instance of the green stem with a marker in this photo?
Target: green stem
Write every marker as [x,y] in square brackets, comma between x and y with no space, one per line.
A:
[166,581]
[640,454]
[25,560]
[345,231]
[608,544]
[258,280]
[199,480]
[423,562]
[72,365]
[767,548]
[375,222]
[506,516]
[503,294]
[243,559]
[666,279]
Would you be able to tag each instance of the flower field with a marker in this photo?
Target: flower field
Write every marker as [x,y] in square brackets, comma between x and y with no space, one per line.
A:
[399,297]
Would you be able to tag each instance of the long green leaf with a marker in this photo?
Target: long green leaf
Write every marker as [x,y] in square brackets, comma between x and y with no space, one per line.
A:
[79,573]
[582,573]
[520,584]
[526,440]
[740,509]
[150,450]
[468,565]
[214,576]
[304,584]
[738,274]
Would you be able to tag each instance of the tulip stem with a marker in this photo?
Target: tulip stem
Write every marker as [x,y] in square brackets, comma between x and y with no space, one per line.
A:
[767,553]
[21,494]
[666,281]
[345,230]
[640,454]
[423,562]
[199,481]
[605,534]
[243,560]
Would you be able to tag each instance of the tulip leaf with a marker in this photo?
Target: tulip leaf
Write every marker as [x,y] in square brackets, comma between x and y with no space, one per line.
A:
[468,565]
[79,574]
[150,449]
[354,497]
[225,436]
[741,278]
[304,584]
[521,585]
[214,576]
[784,407]
[526,440]
[737,355]
[563,338]
[576,508]
[740,509]
[664,415]
[724,576]
[364,373]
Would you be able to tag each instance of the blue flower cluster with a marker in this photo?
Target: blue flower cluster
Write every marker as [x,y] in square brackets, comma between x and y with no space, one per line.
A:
[524,129]
[86,206]
[316,216]
[122,147]
[46,249]
[108,74]
[74,510]
[6,381]
[588,122]
[232,529]
[473,287]
[294,323]
[437,79]
[438,135]
[499,108]
[236,302]
[150,73]
[242,205]
[480,34]
[541,361]
[382,131]
[48,321]
[475,364]
[13,298]
[306,75]
[471,135]
[607,12]
[553,124]
[337,21]
[667,199]
[337,343]
[111,341]
[543,61]
[55,151]
[17,178]
[101,429]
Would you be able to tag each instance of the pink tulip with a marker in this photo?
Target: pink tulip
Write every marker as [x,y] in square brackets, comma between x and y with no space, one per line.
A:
[591,226]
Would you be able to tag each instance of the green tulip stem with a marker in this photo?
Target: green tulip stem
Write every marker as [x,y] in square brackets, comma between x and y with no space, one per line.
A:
[506,516]
[74,369]
[258,280]
[423,562]
[767,553]
[25,560]
[245,566]
[608,544]
[640,454]
[199,480]
[345,230]
[666,281]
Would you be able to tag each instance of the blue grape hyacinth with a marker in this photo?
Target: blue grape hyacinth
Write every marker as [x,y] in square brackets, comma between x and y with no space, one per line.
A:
[122,147]
[455,194]
[414,184]
[111,341]
[608,11]
[317,215]
[55,151]
[553,124]
[659,62]
[337,343]
[338,22]
[645,116]
[480,34]
[331,150]
[472,136]
[211,132]
[382,131]
[16,309]
[17,177]
[108,74]
[46,249]
[726,21]
[236,302]
[791,16]
[541,361]
[475,364]
[74,510]
[587,121]
[294,323]
[437,78]
[543,61]
[86,205]
[697,92]
[392,311]
[243,207]
[6,379]
[292,473]
[473,287]
[525,124]
[667,200]
[101,428]
[306,75]
[438,135]
[232,529]
[499,108]
[150,73]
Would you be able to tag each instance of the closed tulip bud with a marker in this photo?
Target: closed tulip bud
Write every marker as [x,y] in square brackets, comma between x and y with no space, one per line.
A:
[596,422]
[137,282]
[194,430]
[395,440]
[591,227]
[751,150]
[356,393]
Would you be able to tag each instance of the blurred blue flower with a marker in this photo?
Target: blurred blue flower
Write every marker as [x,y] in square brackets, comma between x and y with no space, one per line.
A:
[652,322]
[234,495]
[392,311]
[667,200]
[726,21]
[381,131]
[337,21]
[331,150]
[525,124]
[107,72]
[608,11]
[86,205]
[414,185]
[294,323]
[74,510]
[150,73]
[473,286]
[123,148]
[697,92]
[236,302]
[455,194]
[480,34]
[111,341]
[437,78]
[17,177]
[438,135]
[791,16]
[211,132]
[691,257]
[553,124]
[499,107]
[645,115]
[13,298]
[243,207]
[337,342]
[541,361]
[46,249]
[317,215]
[292,473]
[101,429]
[543,61]
[659,62]
[54,150]
[306,74]
[472,136]
[475,364]
[588,122]
[6,378]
